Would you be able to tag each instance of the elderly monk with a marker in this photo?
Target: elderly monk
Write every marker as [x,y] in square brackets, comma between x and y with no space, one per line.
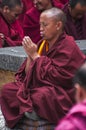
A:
[9,26]
[76,118]
[31,24]
[42,92]
[75,26]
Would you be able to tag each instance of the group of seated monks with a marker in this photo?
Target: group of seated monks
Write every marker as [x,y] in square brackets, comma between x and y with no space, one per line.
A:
[21,18]
[43,91]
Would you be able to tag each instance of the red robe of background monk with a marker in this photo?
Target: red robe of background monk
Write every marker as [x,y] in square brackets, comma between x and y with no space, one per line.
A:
[9,25]
[27,5]
[13,33]
[60,3]
[75,27]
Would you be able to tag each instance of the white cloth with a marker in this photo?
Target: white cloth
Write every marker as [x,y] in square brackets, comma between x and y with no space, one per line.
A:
[2,122]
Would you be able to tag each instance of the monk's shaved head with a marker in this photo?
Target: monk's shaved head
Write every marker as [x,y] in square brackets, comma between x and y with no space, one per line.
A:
[10,3]
[55,14]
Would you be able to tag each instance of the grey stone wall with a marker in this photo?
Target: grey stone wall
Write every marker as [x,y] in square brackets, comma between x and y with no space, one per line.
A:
[12,57]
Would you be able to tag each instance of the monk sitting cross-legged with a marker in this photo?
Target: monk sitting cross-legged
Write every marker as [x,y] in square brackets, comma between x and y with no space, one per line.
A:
[9,26]
[42,92]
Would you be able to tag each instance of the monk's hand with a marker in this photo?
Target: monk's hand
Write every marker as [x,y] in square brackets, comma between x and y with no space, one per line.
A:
[2,38]
[30,47]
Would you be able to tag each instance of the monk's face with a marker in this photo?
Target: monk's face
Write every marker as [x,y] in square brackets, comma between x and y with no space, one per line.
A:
[42,4]
[78,11]
[48,27]
[12,14]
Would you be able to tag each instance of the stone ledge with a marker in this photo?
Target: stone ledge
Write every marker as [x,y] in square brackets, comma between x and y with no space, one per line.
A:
[82,45]
[11,58]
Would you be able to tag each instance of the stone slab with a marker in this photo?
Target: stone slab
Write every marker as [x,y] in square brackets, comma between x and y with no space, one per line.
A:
[12,57]
[82,45]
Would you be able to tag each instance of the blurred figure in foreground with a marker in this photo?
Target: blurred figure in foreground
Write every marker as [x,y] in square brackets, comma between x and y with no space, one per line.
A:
[76,118]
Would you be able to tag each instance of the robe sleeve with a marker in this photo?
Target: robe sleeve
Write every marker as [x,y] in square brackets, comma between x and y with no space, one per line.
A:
[16,36]
[31,26]
[53,72]
[20,74]
[10,42]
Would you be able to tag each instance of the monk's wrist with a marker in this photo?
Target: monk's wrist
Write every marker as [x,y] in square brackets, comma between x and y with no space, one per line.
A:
[35,56]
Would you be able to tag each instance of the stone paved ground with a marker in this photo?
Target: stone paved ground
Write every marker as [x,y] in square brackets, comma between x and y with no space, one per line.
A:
[6,77]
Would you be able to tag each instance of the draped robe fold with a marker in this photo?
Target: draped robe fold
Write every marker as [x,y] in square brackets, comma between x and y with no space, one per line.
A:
[47,87]
[27,5]
[31,25]
[60,3]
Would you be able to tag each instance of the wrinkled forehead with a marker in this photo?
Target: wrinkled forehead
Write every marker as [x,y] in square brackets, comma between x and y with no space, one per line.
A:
[46,17]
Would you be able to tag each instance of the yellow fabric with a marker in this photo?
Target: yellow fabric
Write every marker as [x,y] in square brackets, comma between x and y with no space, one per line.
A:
[42,46]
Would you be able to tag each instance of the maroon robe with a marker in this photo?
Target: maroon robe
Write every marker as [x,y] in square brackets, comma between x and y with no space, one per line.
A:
[60,3]
[27,5]
[76,29]
[31,24]
[13,33]
[75,119]
[47,88]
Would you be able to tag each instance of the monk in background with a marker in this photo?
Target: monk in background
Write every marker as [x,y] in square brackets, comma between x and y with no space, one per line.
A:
[42,92]
[75,12]
[76,118]
[10,30]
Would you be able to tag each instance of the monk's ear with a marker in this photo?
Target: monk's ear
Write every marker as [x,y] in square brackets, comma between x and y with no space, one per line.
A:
[69,7]
[79,93]
[6,9]
[59,25]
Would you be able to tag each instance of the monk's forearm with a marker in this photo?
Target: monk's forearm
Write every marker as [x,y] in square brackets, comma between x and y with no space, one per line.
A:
[29,60]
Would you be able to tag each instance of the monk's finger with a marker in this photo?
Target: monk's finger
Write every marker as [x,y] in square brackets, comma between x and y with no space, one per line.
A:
[27,40]
[30,42]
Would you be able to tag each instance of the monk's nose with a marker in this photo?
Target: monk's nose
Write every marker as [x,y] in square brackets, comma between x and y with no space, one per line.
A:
[41,28]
